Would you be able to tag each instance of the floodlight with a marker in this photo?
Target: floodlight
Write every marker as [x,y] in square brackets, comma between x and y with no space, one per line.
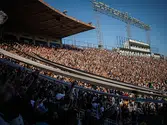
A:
[103,8]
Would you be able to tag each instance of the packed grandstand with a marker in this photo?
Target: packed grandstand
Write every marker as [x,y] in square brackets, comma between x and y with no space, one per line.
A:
[43,82]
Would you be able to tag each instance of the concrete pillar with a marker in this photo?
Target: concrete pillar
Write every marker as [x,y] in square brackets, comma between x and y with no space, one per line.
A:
[18,37]
[33,40]
[48,42]
[61,44]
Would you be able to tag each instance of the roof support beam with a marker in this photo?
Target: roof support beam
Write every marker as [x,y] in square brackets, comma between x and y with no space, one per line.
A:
[48,20]
[62,26]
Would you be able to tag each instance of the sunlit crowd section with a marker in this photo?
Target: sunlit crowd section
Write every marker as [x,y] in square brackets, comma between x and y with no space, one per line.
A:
[141,71]
[48,98]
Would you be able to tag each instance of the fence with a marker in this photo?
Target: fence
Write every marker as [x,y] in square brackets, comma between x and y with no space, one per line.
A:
[81,44]
[119,44]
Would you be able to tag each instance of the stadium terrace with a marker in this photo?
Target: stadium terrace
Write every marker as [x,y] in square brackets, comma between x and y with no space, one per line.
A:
[46,82]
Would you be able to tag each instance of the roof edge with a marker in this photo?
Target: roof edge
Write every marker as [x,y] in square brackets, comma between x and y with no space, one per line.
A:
[57,11]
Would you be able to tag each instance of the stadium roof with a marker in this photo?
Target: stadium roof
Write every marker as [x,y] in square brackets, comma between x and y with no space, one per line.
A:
[36,17]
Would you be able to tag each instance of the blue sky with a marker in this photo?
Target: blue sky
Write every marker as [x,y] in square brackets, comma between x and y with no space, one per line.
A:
[152,12]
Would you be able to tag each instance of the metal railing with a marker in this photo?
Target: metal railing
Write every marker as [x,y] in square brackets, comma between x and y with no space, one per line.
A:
[83,45]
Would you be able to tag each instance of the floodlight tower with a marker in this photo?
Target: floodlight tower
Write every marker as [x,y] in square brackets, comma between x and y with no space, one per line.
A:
[98,28]
[124,17]
[148,36]
[128,30]
[98,31]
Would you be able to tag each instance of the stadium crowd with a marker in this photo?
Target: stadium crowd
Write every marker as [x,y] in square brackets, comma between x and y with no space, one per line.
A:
[29,98]
[141,71]
[50,102]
